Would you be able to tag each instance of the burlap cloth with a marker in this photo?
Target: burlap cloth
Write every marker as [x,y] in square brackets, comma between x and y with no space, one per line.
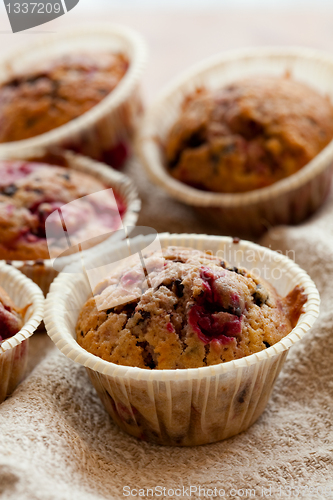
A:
[57,441]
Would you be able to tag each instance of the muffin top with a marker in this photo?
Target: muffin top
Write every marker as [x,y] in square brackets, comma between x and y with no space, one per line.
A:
[247,135]
[54,94]
[30,192]
[11,320]
[192,310]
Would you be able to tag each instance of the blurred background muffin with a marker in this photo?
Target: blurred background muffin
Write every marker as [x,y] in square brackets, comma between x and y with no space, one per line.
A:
[80,91]
[89,203]
[38,101]
[245,137]
[11,317]
[21,312]
[31,191]
[248,134]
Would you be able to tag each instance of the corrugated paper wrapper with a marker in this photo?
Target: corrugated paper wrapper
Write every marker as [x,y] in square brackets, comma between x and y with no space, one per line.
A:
[184,407]
[43,272]
[14,351]
[288,201]
[105,132]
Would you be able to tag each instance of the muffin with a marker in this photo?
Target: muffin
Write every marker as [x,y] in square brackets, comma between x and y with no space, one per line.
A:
[11,320]
[92,78]
[248,134]
[36,102]
[21,312]
[192,310]
[33,103]
[31,191]
[182,407]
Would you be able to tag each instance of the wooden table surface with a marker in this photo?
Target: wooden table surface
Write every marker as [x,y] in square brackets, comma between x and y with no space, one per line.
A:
[177,39]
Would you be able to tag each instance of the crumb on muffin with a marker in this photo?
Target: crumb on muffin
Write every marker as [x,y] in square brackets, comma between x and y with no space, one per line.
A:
[247,135]
[195,311]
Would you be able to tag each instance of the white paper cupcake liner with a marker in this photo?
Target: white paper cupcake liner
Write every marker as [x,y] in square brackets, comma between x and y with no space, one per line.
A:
[106,131]
[288,201]
[14,351]
[41,271]
[190,406]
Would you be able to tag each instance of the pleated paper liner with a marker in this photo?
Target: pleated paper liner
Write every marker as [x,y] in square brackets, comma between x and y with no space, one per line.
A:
[289,201]
[183,407]
[14,351]
[41,271]
[105,132]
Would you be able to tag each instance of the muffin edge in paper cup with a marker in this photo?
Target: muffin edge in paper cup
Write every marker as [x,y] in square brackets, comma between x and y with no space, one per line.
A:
[41,271]
[288,201]
[14,351]
[182,407]
[106,131]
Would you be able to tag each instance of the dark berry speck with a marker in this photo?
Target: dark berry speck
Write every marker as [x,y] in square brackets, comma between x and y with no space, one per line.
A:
[10,190]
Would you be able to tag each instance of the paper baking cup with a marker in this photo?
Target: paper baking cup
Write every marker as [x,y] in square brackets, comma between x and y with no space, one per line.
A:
[288,201]
[105,132]
[14,351]
[190,406]
[41,271]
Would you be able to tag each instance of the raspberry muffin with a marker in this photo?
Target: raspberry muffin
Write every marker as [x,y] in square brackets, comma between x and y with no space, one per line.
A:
[185,308]
[11,320]
[12,362]
[192,310]
[31,191]
[37,102]
[21,312]
[247,135]
[58,92]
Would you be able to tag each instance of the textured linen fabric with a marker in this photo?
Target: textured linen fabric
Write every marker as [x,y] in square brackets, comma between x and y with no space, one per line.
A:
[58,443]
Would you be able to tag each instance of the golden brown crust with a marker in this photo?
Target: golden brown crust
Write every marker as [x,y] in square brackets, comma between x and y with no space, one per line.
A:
[248,135]
[199,312]
[37,102]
